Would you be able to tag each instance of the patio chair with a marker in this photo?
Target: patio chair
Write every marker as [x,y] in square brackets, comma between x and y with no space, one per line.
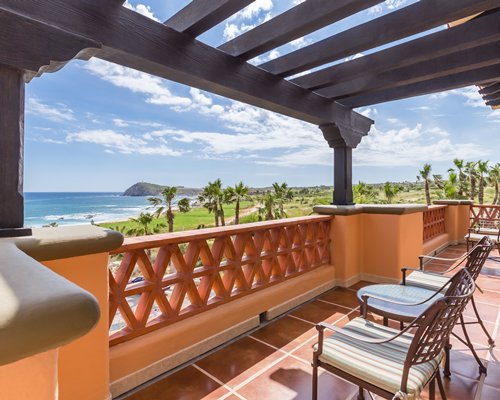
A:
[475,258]
[488,226]
[391,363]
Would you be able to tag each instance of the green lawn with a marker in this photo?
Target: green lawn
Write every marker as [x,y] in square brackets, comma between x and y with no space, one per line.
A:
[183,221]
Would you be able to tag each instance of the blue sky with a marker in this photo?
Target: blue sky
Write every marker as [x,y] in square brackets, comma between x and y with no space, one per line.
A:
[96,126]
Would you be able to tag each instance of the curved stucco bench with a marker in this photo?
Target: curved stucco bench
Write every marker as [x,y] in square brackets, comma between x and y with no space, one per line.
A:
[39,309]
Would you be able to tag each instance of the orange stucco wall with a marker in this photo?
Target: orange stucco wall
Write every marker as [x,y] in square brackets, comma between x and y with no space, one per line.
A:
[30,378]
[346,254]
[84,363]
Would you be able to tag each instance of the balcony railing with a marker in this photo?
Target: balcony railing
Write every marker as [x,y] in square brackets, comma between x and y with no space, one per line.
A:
[485,216]
[434,222]
[157,280]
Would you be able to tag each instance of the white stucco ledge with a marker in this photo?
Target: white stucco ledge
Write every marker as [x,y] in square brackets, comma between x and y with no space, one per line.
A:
[394,209]
[68,241]
[39,309]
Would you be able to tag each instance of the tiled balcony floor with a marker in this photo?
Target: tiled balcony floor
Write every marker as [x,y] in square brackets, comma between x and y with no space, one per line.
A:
[274,361]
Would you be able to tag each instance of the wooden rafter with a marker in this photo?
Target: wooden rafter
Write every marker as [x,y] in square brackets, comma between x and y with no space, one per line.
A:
[493,103]
[135,41]
[491,89]
[471,34]
[300,20]
[201,15]
[448,82]
[462,61]
[407,21]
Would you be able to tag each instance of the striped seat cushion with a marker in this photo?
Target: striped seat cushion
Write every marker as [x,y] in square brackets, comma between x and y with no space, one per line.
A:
[378,364]
[427,280]
[476,237]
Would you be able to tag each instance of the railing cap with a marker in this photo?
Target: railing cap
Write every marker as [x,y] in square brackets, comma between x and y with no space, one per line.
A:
[391,209]
[453,202]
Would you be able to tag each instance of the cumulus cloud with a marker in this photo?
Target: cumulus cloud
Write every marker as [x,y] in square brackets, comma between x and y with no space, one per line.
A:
[122,143]
[138,82]
[141,9]
[57,113]
[252,15]
[387,5]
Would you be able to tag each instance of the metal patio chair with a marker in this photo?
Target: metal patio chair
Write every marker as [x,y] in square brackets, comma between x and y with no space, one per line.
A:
[391,363]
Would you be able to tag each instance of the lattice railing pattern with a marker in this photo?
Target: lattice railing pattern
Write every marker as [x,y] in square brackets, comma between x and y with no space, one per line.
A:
[162,279]
[434,222]
[485,217]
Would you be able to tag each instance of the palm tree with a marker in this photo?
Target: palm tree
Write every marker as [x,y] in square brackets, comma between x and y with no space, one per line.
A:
[212,197]
[424,174]
[470,170]
[493,178]
[237,194]
[144,220]
[184,205]
[282,194]
[482,168]
[450,185]
[391,191]
[207,198]
[363,193]
[269,201]
[165,205]
[462,177]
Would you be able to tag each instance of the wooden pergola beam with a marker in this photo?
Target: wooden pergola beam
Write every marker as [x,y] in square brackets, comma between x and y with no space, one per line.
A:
[462,61]
[407,21]
[491,89]
[493,96]
[135,41]
[201,15]
[493,103]
[462,37]
[300,20]
[475,77]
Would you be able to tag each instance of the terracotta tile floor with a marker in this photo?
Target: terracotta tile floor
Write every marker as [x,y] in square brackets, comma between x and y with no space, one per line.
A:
[273,362]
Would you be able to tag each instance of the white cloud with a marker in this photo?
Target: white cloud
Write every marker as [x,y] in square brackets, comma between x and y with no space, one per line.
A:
[494,116]
[122,143]
[387,5]
[61,113]
[253,10]
[141,9]
[137,82]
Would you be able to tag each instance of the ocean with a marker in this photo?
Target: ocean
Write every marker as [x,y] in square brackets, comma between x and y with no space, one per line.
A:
[79,208]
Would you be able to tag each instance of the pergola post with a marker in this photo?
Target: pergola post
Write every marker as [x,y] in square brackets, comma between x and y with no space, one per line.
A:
[11,152]
[342,139]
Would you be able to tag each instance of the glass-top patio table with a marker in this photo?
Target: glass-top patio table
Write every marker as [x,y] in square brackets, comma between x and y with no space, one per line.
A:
[395,301]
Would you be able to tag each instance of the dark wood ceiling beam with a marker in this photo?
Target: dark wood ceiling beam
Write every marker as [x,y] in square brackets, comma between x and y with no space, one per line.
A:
[201,15]
[492,96]
[48,47]
[493,103]
[406,21]
[300,20]
[135,41]
[462,61]
[449,82]
[462,37]
[494,88]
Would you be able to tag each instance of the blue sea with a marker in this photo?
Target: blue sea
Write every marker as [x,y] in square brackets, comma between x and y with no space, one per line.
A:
[79,208]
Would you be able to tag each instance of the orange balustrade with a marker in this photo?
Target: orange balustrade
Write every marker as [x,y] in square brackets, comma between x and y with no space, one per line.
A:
[434,222]
[164,278]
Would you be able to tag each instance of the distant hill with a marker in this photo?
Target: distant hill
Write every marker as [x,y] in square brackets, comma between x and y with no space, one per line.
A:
[152,189]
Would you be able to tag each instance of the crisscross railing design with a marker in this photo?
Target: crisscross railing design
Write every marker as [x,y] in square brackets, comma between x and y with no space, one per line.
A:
[485,216]
[162,279]
[434,222]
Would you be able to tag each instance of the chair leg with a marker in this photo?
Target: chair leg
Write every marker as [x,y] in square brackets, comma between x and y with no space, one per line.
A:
[361,395]
[441,386]
[314,382]
[482,368]
[446,370]
[432,389]
[491,342]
